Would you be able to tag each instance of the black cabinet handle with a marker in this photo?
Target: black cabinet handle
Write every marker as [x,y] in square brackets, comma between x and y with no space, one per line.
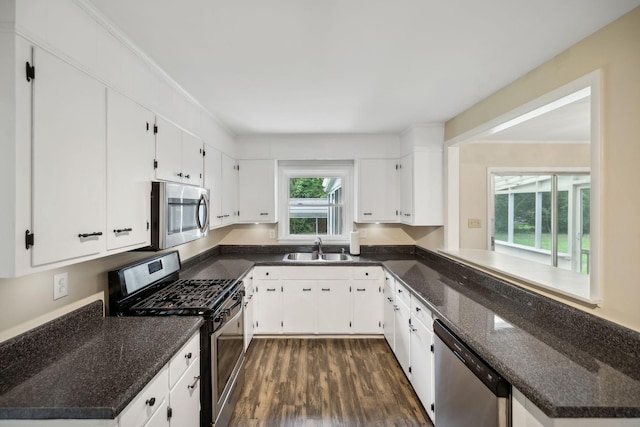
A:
[122,230]
[264,213]
[83,235]
[418,309]
[188,355]
[368,213]
[195,381]
[187,176]
[151,401]
[366,274]
[361,289]
[306,289]
[271,289]
[179,174]
[326,289]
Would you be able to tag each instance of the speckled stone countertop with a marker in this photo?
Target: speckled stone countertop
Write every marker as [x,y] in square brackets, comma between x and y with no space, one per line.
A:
[84,365]
[567,362]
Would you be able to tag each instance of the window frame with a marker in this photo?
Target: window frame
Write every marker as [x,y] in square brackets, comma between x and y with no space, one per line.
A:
[315,169]
[543,171]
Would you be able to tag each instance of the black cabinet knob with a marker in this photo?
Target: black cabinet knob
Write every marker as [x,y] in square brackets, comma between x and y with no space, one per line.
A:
[151,401]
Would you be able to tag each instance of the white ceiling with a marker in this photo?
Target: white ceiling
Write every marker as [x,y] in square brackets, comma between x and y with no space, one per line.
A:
[351,66]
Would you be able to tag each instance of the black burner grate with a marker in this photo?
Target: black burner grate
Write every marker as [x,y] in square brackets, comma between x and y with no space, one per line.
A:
[191,296]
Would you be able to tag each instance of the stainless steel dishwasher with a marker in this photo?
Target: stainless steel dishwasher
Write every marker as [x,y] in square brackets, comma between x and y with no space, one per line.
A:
[467,391]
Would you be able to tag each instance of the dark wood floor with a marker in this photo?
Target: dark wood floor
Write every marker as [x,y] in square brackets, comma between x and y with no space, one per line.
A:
[325,382]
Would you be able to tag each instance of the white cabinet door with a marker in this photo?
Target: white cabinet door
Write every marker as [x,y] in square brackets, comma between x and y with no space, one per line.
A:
[367,306]
[147,402]
[184,399]
[213,181]
[389,314]
[403,339]
[406,189]
[159,418]
[268,302]
[299,306]
[335,307]
[421,188]
[168,151]
[192,161]
[68,162]
[229,190]
[422,364]
[130,153]
[378,191]
[256,191]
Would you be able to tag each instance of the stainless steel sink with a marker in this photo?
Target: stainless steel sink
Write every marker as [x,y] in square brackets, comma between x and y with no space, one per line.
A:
[336,257]
[306,257]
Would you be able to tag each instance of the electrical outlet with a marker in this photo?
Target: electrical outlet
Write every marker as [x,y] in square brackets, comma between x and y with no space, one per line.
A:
[473,223]
[272,234]
[60,285]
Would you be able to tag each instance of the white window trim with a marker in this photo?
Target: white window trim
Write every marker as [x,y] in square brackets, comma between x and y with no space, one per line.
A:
[313,169]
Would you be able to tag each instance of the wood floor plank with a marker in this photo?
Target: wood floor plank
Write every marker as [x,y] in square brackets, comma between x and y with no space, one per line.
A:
[325,383]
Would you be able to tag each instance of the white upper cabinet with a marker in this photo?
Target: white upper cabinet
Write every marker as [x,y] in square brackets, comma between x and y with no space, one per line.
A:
[229,190]
[213,182]
[68,162]
[421,191]
[130,152]
[378,191]
[256,191]
[192,160]
[178,154]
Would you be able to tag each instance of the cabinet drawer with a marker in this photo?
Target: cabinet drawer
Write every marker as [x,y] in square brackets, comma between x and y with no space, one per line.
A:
[420,312]
[266,273]
[316,273]
[367,273]
[185,357]
[402,294]
[145,404]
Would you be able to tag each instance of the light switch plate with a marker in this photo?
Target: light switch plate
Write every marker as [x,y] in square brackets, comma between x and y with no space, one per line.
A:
[474,223]
[60,285]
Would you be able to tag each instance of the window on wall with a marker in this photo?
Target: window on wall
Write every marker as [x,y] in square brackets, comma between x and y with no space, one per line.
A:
[316,200]
[543,217]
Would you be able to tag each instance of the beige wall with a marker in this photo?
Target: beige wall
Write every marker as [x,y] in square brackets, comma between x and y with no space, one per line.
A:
[615,50]
[476,158]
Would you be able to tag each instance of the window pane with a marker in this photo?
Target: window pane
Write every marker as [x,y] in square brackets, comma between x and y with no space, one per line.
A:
[502,217]
[315,206]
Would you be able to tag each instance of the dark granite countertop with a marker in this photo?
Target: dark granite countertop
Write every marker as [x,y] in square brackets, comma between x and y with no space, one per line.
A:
[84,365]
[567,362]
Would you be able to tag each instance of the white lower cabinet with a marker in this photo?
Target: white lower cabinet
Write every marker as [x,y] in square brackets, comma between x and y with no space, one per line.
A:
[318,300]
[299,301]
[403,337]
[249,310]
[146,403]
[185,398]
[422,363]
[334,307]
[367,306]
[389,322]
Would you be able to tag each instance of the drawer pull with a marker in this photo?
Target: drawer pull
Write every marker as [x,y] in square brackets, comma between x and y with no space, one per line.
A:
[306,289]
[151,401]
[271,289]
[195,382]
[361,289]
[326,289]
[418,309]
[85,235]
[188,355]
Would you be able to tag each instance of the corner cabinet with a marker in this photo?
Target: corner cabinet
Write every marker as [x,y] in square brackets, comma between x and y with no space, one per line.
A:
[68,162]
[256,191]
[378,198]
[421,188]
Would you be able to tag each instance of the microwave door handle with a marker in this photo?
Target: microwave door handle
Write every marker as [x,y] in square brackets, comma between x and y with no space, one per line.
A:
[202,226]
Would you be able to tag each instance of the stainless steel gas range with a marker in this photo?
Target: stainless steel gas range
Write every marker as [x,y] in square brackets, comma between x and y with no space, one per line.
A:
[152,287]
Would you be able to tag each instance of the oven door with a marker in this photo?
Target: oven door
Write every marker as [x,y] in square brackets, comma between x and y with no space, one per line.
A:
[227,358]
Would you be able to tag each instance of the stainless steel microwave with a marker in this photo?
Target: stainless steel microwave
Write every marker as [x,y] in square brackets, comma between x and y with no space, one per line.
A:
[179,214]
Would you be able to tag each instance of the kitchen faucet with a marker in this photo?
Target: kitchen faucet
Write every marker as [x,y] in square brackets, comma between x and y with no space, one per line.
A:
[318,242]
